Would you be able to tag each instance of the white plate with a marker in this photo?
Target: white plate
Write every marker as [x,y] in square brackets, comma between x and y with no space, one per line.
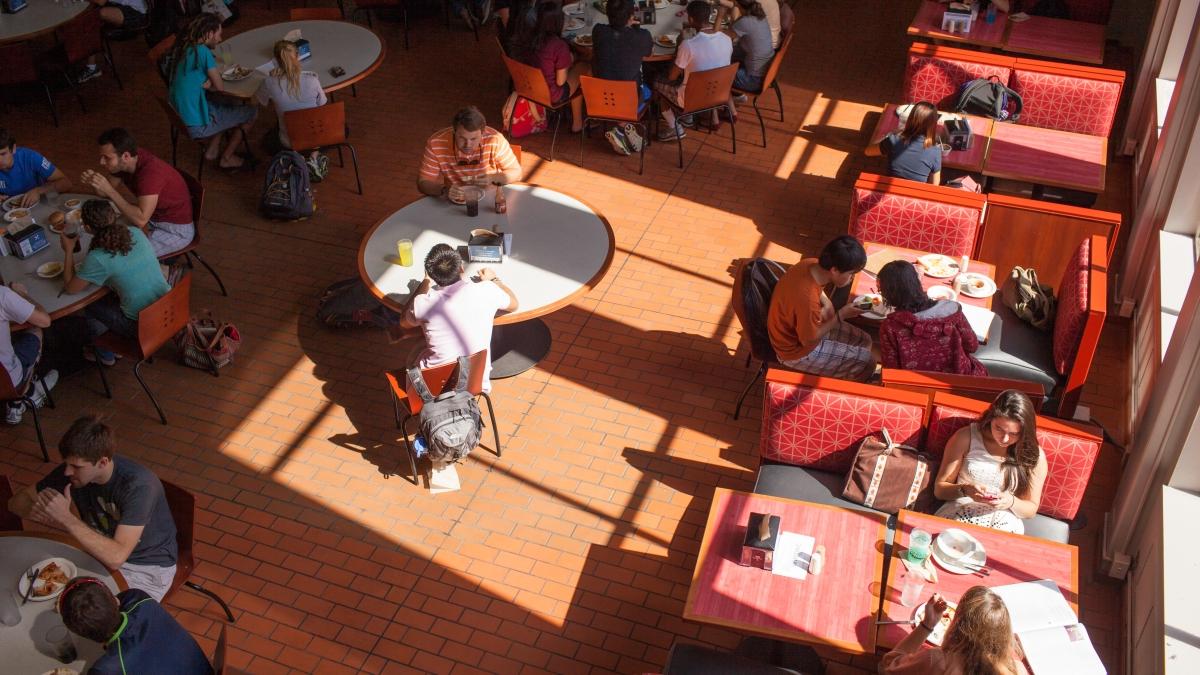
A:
[49,270]
[11,202]
[667,41]
[966,284]
[938,633]
[576,9]
[879,312]
[662,4]
[941,292]
[575,23]
[977,557]
[230,74]
[938,266]
[68,569]
[12,216]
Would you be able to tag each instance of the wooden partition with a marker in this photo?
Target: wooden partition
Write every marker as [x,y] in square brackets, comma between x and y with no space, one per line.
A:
[970,386]
[1041,235]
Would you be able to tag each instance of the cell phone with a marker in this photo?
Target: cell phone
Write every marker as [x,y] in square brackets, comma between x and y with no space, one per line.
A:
[337,71]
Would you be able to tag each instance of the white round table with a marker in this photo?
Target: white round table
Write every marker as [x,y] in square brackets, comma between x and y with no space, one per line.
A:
[23,646]
[668,20]
[48,292]
[356,49]
[38,17]
[561,247]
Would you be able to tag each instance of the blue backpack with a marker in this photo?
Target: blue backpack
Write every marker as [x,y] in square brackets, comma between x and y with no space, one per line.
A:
[287,193]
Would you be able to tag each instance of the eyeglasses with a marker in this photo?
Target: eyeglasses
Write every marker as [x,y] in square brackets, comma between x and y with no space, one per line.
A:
[473,162]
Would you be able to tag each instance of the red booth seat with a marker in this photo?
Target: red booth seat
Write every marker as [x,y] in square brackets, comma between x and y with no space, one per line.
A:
[905,213]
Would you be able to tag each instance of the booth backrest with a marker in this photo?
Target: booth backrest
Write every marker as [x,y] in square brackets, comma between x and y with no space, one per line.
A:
[1082,307]
[1067,97]
[900,212]
[978,387]
[1091,11]
[1071,450]
[935,74]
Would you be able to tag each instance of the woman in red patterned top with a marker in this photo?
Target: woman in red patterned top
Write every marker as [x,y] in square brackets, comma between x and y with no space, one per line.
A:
[923,334]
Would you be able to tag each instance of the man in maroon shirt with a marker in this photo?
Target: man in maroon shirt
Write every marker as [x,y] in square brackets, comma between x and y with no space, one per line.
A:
[162,206]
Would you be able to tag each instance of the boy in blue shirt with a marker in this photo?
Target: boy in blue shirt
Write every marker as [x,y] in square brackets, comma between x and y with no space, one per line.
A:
[25,172]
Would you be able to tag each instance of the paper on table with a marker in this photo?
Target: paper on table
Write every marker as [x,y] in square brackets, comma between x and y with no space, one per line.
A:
[979,318]
[792,555]
[1033,605]
[1061,650]
[878,259]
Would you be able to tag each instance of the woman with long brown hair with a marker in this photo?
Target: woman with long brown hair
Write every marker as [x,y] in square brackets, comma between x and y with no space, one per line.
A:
[289,88]
[978,641]
[992,470]
[914,152]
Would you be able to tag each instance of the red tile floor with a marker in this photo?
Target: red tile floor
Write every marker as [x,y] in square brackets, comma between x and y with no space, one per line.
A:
[574,552]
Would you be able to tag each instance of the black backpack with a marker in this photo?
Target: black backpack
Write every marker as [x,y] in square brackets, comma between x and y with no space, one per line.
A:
[286,193]
[759,278]
[988,97]
[450,422]
[348,303]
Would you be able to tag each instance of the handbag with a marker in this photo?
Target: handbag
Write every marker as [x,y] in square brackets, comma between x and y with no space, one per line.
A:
[887,476]
[523,117]
[208,344]
[1030,300]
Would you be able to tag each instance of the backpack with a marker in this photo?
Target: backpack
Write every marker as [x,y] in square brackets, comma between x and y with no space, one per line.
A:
[348,303]
[1032,302]
[450,422]
[523,117]
[988,97]
[759,278]
[286,193]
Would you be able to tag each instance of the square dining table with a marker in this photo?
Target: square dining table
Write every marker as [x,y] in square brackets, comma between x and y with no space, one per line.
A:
[1011,559]
[835,608]
[928,24]
[1047,157]
[967,160]
[1058,39]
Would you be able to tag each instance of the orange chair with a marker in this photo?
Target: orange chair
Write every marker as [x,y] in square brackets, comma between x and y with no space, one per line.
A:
[320,128]
[183,511]
[221,653]
[769,82]
[157,324]
[613,101]
[315,14]
[20,68]
[24,393]
[178,128]
[157,56]
[530,84]
[9,521]
[78,40]
[407,403]
[516,151]
[196,190]
[707,91]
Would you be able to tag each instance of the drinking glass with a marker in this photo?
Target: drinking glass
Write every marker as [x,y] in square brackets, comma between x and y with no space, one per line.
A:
[404,251]
[10,610]
[473,195]
[918,545]
[62,647]
[912,583]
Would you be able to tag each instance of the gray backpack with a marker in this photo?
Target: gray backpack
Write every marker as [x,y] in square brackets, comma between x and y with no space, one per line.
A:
[450,422]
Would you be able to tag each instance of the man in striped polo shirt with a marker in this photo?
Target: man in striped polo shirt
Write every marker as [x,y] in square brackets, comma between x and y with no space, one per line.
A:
[468,152]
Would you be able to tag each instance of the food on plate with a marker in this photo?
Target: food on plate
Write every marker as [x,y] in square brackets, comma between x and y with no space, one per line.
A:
[71,204]
[12,202]
[666,40]
[978,284]
[17,214]
[937,265]
[869,302]
[52,577]
[50,269]
[56,220]
[939,631]
[583,40]
[238,73]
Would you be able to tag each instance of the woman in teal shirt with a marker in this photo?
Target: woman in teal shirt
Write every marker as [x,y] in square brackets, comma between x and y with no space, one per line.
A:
[193,74]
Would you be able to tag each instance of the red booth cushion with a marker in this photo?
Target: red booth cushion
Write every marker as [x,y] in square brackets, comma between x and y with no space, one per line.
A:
[937,79]
[1073,308]
[1066,102]
[920,224]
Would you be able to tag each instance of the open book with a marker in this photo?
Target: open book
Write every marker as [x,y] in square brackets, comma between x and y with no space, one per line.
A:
[1053,639]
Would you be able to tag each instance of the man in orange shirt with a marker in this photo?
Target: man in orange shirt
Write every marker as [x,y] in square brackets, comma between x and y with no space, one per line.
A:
[468,152]
[807,333]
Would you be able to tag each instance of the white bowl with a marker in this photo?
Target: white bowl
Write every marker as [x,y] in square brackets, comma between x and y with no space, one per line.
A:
[940,292]
[49,270]
[955,544]
[19,214]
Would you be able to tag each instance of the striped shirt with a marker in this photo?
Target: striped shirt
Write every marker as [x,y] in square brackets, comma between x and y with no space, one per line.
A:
[442,162]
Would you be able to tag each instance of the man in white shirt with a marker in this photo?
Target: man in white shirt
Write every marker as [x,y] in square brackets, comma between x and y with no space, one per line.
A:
[708,49]
[455,312]
[19,352]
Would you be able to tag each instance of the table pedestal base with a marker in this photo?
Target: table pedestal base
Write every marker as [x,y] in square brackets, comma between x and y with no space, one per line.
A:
[517,347]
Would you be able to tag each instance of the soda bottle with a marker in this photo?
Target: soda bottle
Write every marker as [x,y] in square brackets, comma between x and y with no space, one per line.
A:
[501,202]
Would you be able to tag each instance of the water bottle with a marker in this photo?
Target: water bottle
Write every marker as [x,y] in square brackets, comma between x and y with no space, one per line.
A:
[419,446]
[990,17]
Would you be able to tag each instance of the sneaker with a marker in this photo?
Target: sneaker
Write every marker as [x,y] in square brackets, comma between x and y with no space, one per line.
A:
[318,168]
[14,413]
[670,135]
[741,98]
[88,72]
[633,138]
[40,393]
[617,140]
[687,121]
[105,357]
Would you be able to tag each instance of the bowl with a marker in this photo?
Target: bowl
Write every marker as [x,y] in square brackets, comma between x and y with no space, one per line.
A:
[941,293]
[72,203]
[955,544]
[18,214]
[49,270]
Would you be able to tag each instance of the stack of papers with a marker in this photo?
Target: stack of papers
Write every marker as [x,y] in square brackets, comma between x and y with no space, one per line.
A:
[1053,639]
[793,552]
[979,318]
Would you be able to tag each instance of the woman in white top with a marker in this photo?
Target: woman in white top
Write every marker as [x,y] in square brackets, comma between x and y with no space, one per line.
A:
[290,88]
[993,470]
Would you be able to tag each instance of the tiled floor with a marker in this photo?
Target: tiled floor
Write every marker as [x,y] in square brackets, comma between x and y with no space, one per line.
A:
[574,552]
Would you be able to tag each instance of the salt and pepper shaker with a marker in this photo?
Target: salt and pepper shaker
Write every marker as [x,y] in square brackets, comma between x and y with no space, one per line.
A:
[816,562]
[963,264]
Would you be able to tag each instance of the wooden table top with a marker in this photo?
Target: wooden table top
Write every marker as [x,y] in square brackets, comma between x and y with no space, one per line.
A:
[835,608]
[866,283]
[1057,38]
[1011,558]
[967,160]
[1047,157]
[928,24]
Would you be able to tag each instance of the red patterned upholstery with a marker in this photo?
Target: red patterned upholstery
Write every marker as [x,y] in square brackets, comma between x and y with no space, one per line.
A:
[921,224]
[937,79]
[1069,459]
[1067,102]
[821,429]
[1072,308]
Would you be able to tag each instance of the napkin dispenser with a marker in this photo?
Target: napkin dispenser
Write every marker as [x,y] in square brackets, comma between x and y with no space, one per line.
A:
[958,134]
[12,6]
[27,242]
[485,246]
[758,549]
[303,49]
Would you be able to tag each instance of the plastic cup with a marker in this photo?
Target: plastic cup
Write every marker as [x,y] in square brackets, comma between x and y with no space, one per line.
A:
[472,194]
[10,610]
[404,252]
[946,149]
[912,584]
[918,546]
[62,647]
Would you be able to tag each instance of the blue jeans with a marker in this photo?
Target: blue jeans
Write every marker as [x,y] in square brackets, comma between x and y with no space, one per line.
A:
[105,315]
[25,346]
[222,116]
[747,82]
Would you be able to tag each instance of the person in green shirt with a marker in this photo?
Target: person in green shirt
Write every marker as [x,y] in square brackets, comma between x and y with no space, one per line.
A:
[121,258]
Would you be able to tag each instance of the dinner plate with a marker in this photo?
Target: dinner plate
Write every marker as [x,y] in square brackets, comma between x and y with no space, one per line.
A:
[231,74]
[68,568]
[12,216]
[938,266]
[939,632]
[576,9]
[977,556]
[49,270]
[880,310]
[575,23]
[12,202]
[583,40]
[666,40]
[976,285]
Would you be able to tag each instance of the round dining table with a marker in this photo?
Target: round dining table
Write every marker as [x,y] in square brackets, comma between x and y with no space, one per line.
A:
[38,18]
[561,248]
[355,49]
[49,292]
[24,646]
[668,20]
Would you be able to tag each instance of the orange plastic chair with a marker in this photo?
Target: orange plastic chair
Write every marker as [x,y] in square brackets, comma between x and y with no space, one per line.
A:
[157,324]
[320,128]
[530,84]
[182,505]
[769,82]
[706,91]
[315,14]
[516,151]
[407,403]
[196,190]
[613,101]
[24,393]
[9,521]
[157,57]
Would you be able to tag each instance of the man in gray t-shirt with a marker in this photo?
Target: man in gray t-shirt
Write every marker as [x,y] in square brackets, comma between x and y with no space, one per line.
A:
[124,520]
[753,49]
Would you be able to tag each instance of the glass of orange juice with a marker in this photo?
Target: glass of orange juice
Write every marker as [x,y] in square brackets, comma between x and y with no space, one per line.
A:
[404,251]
